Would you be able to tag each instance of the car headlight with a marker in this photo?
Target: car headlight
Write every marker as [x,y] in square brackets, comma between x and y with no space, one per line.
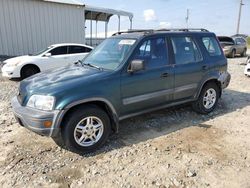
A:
[11,64]
[41,102]
[227,47]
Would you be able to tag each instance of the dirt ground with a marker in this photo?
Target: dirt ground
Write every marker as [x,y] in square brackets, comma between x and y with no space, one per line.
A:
[169,148]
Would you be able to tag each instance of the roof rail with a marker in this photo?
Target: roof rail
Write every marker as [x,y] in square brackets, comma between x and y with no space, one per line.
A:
[146,31]
[149,31]
[184,29]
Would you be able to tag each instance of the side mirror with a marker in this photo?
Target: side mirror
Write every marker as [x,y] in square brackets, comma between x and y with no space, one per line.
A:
[47,55]
[136,65]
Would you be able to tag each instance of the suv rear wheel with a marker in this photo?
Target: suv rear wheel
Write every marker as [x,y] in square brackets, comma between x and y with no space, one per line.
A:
[244,53]
[86,129]
[208,99]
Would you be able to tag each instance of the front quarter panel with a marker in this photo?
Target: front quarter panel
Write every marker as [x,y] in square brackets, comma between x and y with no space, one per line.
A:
[104,90]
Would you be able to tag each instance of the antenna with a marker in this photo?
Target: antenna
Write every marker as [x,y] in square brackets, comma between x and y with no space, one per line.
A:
[187,18]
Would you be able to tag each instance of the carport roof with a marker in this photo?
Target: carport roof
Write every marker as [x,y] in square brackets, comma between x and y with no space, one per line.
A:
[103,14]
[71,2]
[95,13]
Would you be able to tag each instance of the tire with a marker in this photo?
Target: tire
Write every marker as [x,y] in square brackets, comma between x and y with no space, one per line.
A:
[244,53]
[232,54]
[82,124]
[29,71]
[201,105]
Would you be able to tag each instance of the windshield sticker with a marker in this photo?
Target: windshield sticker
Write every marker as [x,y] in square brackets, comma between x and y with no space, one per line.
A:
[127,42]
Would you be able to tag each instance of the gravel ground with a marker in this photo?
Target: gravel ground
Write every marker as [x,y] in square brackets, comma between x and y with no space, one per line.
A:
[169,148]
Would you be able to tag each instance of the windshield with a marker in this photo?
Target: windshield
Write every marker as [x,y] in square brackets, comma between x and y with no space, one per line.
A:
[227,40]
[41,52]
[110,53]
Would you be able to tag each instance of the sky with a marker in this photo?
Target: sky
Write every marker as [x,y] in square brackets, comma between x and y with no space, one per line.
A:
[219,16]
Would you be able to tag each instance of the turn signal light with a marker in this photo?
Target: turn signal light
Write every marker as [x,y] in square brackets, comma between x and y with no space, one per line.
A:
[47,124]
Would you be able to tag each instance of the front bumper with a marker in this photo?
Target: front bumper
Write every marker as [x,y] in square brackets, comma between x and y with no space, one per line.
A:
[10,72]
[34,119]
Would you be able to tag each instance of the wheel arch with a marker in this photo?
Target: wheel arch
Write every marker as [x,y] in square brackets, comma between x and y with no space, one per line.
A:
[29,65]
[210,80]
[101,103]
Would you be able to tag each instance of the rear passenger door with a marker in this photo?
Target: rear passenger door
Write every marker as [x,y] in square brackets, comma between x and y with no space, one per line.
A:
[189,66]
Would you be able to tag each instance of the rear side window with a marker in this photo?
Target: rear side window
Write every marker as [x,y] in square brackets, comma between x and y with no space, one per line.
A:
[212,46]
[78,49]
[59,51]
[185,50]
[153,52]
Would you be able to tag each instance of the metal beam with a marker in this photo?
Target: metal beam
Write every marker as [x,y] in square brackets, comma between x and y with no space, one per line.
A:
[91,31]
[119,23]
[238,23]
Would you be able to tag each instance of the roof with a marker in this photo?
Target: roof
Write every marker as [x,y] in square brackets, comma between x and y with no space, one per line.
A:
[140,33]
[70,44]
[71,2]
[95,13]
[103,14]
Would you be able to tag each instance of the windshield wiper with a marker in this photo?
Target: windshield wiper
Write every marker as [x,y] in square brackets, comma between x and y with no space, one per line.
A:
[90,65]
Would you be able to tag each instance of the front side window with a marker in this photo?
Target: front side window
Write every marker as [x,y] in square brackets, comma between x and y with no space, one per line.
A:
[110,53]
[63,50]
[185,50]
[212,46]
[153,52]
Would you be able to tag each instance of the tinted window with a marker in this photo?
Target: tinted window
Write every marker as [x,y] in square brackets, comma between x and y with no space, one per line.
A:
[59,51]
[86,49]
[78,49]
[212,46]
[242,41]
[153,52]
[185,50]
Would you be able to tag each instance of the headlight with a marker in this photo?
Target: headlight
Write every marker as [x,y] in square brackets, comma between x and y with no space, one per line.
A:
[12,64]
[227,47]
[41,102]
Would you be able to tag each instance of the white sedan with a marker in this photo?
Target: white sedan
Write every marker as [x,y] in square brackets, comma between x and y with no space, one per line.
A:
[247,68]
[57,55]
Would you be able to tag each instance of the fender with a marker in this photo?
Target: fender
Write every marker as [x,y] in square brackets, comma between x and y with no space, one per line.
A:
[113,112]
[223,78]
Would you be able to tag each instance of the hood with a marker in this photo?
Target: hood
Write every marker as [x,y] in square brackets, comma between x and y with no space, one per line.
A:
[17,60]
[56,81]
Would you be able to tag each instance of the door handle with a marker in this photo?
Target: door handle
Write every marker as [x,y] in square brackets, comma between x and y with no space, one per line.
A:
[204,67]
[164,75]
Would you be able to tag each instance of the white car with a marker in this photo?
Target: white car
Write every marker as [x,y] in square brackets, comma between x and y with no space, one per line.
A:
[247,68]
[57,55]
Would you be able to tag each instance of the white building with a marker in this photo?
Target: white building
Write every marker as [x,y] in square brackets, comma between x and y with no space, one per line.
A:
[27,26]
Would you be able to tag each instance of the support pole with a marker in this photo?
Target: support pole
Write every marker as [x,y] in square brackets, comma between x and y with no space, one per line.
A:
[106,26]
[119,23]
[91,29]
[239,17]
[96,41]
[131,22]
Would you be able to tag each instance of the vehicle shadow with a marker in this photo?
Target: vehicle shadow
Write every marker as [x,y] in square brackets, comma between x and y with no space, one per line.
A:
[162,122]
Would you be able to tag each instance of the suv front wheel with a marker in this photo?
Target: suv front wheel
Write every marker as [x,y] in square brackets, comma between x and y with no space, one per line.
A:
[208,99]
[86,129]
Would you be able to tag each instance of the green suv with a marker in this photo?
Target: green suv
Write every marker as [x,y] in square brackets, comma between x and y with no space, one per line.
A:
[128,74]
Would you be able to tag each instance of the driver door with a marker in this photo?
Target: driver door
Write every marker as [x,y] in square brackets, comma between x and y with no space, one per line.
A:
[153,86]
[59,58]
